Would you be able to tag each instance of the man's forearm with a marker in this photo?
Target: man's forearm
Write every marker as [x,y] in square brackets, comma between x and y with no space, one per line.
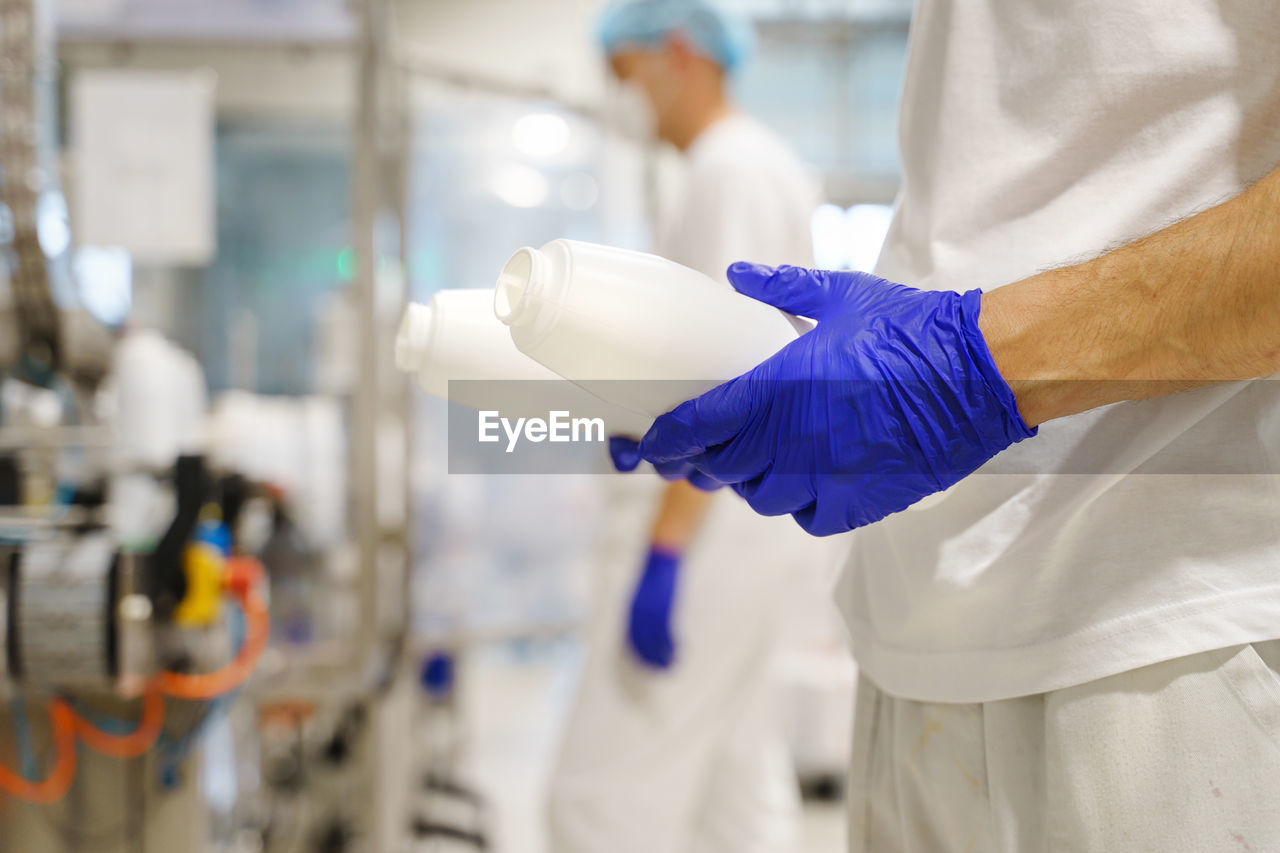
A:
[1193,304]
[679,516]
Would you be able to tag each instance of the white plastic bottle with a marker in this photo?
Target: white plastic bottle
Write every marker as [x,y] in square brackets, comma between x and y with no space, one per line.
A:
[597,314]
[457,337]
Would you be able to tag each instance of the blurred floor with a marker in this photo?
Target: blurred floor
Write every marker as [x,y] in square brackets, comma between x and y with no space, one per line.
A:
[824,828]
[516,702]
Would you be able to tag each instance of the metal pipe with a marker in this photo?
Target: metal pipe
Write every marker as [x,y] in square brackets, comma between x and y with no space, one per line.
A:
[470,80]
[54,437]
[365,195]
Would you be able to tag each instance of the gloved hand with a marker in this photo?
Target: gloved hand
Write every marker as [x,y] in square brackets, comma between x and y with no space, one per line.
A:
[891,397]
[625,453]
[649,626]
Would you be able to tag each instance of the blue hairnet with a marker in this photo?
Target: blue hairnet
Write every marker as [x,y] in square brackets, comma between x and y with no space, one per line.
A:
[725,38]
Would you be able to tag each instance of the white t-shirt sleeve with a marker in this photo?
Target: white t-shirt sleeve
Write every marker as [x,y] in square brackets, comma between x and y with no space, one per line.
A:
[745,197]
[738,209]
[726,220]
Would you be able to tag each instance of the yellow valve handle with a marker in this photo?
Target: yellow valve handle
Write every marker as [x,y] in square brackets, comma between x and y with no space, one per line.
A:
[205,567]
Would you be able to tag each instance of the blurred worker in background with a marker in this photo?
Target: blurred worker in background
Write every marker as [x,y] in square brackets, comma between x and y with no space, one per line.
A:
[674,744]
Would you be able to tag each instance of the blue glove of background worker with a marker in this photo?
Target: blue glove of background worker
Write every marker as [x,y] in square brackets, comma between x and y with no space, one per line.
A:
[891,397]
[649,625]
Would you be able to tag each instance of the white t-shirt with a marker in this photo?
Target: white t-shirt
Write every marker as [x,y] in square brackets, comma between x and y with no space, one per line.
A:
[1034,135]
[745,196]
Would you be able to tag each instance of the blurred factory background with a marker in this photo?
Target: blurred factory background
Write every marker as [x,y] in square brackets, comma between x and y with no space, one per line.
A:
[243,195]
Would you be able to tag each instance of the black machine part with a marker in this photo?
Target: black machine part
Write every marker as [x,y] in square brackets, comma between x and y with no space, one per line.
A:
[168,579]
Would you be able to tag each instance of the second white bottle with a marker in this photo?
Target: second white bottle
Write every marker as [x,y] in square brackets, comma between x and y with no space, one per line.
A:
[635,329]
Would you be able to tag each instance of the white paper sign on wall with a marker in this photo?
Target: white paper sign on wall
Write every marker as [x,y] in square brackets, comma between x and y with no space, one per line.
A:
[143,154]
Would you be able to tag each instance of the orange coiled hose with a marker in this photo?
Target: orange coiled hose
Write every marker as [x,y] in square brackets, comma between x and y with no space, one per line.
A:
[134,743]
[243,574]
[62,721]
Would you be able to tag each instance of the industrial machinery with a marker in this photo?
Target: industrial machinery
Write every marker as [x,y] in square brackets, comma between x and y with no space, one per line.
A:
[100,632]
[109,649]
[133,590]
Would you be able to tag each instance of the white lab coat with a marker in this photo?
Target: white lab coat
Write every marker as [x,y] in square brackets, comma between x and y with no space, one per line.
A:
[695,758]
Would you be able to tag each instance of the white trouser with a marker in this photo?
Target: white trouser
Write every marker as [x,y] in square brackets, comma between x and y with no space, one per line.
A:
[693,759]
[1178,756]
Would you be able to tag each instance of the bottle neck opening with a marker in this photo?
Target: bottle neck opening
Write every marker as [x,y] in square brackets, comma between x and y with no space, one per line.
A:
[521,283]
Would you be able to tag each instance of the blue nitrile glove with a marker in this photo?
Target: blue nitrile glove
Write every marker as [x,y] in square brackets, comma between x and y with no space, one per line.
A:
[625,453]
[649,624]
[891,397]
